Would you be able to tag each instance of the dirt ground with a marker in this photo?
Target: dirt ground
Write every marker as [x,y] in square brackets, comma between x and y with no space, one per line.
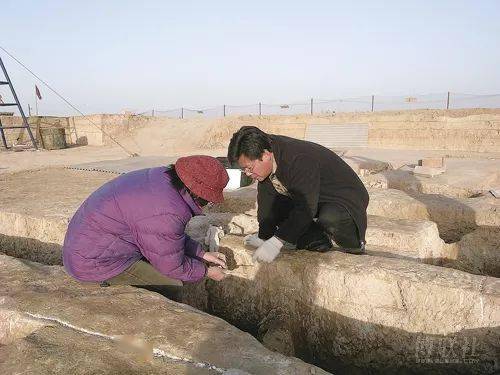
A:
[471,170]
[158,136]
[37,184]
[23,174]
[30,159]
[24,160]
[26,191]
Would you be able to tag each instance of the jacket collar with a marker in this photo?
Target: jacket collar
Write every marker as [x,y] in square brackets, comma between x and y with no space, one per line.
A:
[190,202]
[276,152]
[275,165]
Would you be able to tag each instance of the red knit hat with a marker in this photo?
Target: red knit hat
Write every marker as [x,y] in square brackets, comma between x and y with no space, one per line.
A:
[204,175]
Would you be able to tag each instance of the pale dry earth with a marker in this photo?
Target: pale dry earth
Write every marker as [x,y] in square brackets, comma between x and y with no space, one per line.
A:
[430,278]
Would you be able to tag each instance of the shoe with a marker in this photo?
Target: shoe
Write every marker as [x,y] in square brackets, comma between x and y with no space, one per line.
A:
[357,250]
[322,246]
[315,239]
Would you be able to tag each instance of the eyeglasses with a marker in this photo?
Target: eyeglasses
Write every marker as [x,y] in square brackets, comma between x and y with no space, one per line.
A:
[249,169]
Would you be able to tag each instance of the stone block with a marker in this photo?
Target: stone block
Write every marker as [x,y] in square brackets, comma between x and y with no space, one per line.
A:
[369,313]
[432,162]
[242,200]
[231,223]
[400,238]
[396,204]
[427,171]
[52,324]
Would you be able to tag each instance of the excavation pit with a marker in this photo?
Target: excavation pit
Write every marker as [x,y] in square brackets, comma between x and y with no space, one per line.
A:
[424,299]
[338,311]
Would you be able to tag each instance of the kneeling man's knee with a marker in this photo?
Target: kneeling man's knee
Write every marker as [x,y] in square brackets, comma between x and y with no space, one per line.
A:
[332,216]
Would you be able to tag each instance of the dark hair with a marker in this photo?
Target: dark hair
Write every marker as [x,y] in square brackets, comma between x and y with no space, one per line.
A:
[249,141]
[174,177]
[179,185]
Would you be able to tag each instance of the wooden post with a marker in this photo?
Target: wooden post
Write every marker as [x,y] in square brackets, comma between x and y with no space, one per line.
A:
[39,131]
[373,101]
[182,112]
[224,110]
[312,107]
[260,109]
[448,101]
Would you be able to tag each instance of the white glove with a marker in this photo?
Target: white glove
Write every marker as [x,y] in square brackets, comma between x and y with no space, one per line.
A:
[268,251]
[253,240]
[213,236]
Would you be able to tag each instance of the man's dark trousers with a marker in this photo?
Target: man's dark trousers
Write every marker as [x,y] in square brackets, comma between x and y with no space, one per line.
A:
[332,220]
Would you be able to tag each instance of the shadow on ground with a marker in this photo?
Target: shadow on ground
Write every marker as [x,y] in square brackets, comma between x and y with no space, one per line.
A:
[337,343]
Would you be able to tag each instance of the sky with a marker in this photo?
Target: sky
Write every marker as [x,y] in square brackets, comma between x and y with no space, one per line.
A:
[110,56]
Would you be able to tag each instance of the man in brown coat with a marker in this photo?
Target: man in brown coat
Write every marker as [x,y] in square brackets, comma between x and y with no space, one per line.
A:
[306,194]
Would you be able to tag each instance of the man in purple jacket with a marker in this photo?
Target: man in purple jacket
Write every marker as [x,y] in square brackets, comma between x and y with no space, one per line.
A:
[131,230]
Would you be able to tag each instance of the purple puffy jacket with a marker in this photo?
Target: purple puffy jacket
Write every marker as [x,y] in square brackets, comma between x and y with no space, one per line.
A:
[139,214]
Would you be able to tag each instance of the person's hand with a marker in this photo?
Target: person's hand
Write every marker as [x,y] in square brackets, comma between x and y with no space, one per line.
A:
[213,236]
[216,273]
[216,258]
[253,240]
[268,251]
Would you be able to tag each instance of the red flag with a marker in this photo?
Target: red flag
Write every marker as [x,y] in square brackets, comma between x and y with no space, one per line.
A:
[37,92]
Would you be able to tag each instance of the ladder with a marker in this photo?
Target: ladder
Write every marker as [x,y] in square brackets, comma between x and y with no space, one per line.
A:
[16,104]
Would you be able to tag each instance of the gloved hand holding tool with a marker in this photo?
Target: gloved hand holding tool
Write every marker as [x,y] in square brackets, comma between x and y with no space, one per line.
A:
[213,236]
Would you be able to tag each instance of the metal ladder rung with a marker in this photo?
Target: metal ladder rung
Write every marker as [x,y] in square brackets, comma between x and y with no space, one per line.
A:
[12,127]
[16,104]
